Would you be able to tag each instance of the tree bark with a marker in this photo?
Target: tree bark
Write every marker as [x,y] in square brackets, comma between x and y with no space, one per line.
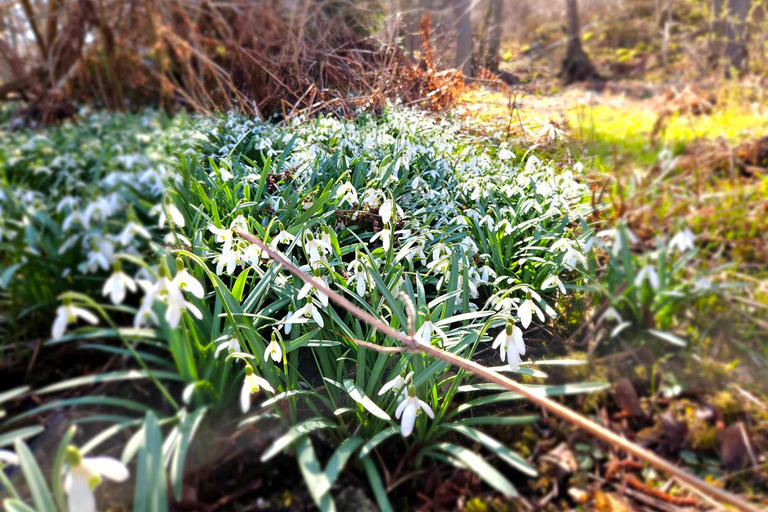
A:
[730,33]
[464,45]
[576,67]
[494,42]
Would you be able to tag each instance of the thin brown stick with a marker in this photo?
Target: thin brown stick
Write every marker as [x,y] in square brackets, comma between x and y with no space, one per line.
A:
[563,412]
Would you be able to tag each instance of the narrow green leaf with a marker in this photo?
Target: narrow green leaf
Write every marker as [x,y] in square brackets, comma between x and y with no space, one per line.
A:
[41,496]
[480,467]
[294,433]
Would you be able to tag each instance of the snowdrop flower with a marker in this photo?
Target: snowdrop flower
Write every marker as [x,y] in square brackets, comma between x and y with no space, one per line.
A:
[511,345]
[283,237]
[130,231]
[610,314]
[85,474]
[526,309]
[11,458]
[388,208]
[168,212]
[224,173]
[227,261]
[703,284]
[360,278]
[683,241]
[308,288]
[316,248]
[286,325]
[397,383]
[252,384]
[648,273]
[68,314]
[308,311]
[409,409]
[229,344]
[347,193]
[427,329]
[115,287]
[553,280]
[386,239]
[186,282]
[373,197]
[100,256]
[273,350]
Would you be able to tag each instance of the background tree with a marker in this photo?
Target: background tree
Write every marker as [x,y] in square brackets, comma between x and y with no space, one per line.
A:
[732,24]
[496,8]
[576,67]
[464,44]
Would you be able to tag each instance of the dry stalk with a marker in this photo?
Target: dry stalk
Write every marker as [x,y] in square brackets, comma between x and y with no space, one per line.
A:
[546,403]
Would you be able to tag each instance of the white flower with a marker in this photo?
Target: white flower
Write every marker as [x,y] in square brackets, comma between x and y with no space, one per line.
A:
[525,312]
[408,409]
[252,384]
[229,344]
[186,282]
[359,276]
[610,314]
[703,284]
[396,384]
[388,207]
[683,241]
[7,457]
[373,197]
[553,280]
[511,345]
[386,238]
[316,248]
[273,350]
[117,284]
[283,237]
[648,273]
[168,211]
[308,288]
[68,314]
[227,259]
[427,329]
[347,193]
[130,230]
[301,315]
[85,474]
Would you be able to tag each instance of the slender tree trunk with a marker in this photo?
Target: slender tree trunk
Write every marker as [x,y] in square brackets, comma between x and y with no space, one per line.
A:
[494,42]
[576,67]
[730,28]
[464,45]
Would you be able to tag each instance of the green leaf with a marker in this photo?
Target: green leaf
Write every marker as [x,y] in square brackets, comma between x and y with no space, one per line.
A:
[151,494]
[101,378]
[8,438]
[558,390]
[85,400]
[13,505]
[41,496]
[12,393]
[57,471]
[316,480]
[497,420]
[357,394]
[294,433]
[480,467]
[378,439]
[239,287]
[340,458]
[188,426]
[379,492]
[496,447]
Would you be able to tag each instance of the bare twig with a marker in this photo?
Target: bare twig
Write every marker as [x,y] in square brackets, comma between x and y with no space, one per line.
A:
[546,403]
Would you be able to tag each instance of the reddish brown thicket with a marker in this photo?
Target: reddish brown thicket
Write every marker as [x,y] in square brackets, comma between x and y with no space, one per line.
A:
[258,56]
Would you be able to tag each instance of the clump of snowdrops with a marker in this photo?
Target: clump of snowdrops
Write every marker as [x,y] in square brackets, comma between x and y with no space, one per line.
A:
[136,221]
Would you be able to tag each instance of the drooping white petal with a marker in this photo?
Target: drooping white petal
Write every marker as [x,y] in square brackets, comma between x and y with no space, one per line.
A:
[80,497]
[59,325]
[109,468]
[426,408]
[513,357]
[245,396]
[409,418]
[7,457]
[525,313]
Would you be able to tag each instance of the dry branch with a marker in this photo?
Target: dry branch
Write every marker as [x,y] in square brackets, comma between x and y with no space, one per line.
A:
[546,403]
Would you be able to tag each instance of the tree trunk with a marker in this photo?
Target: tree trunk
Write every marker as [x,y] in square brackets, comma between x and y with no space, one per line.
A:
[494,42]
[576,67]
[731,25]
[464,45]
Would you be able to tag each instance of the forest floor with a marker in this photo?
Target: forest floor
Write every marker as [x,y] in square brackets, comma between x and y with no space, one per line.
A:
[660,157]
